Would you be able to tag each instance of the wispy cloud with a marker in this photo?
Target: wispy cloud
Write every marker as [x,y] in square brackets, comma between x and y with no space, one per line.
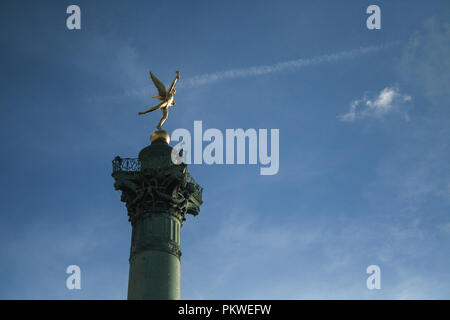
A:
[425,63]
[445,227]
[387,101]
[328,259]
[281,66]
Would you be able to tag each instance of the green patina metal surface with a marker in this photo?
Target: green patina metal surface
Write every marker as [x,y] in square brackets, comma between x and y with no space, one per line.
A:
[158,195]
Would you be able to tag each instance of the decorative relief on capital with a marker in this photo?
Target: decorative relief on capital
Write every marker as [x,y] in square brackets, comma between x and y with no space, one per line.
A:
[170,190]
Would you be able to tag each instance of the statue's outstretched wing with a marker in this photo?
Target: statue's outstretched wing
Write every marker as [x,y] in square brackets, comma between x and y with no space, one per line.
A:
[158,84]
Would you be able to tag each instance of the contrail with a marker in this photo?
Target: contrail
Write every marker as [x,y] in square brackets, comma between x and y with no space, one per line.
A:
[293,64]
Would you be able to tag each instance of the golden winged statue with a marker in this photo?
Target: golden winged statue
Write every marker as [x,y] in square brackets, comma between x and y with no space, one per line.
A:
[167,98]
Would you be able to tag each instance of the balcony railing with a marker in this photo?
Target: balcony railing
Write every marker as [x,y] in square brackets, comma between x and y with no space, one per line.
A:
[126,164]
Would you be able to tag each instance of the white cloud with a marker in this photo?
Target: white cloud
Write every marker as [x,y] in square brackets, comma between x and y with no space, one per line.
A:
[387,101]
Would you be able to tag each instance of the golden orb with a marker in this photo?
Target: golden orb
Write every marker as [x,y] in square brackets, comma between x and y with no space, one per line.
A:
[160,134]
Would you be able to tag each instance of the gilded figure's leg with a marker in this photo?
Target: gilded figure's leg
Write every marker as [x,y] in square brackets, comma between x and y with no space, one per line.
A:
[152,109]
[165,112]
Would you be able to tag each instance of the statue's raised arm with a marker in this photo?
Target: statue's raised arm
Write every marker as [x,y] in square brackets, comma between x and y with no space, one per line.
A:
[172,86]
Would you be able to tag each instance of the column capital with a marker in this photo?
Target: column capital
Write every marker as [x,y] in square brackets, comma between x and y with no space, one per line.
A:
[152,184]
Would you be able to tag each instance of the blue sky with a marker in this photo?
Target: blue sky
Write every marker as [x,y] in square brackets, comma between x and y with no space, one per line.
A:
[364,173]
